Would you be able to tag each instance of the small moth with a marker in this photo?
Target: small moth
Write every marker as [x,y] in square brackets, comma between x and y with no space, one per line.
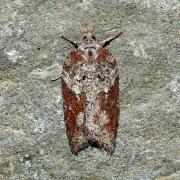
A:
[90,89]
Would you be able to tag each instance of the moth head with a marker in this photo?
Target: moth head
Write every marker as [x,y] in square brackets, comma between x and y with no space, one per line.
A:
[89,45]
[89,37]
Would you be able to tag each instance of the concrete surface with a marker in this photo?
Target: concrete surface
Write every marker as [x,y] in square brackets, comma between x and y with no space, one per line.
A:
[33,142]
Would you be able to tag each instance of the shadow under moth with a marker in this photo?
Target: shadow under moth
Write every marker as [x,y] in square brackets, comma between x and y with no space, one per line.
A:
[90,89]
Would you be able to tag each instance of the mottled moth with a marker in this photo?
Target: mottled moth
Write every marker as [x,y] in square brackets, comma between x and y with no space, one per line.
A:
[90,89]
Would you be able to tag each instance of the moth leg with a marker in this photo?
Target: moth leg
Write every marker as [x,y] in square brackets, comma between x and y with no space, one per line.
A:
[107,41]
[55,79]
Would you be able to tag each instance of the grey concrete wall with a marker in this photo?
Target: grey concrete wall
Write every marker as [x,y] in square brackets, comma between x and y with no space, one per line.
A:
[33,142]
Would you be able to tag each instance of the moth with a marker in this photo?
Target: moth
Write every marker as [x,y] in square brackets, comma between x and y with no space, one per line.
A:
[90,89]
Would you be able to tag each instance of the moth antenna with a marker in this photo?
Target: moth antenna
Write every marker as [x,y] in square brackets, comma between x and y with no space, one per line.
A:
[107,41]
[70,41]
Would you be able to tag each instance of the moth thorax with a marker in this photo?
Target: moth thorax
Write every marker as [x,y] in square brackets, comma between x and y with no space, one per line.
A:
[90,52]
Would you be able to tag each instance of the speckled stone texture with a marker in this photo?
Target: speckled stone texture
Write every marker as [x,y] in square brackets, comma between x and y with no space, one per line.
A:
[33,141]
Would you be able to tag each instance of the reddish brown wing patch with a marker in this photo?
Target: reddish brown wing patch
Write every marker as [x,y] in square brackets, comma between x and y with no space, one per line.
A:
[103,55]
[76,56]
[110,104]
[74,106]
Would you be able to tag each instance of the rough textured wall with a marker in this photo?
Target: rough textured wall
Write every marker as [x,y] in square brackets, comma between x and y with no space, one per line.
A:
[33,142]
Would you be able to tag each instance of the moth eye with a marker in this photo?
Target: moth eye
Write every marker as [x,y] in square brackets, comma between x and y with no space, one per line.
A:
[84,37]
[93,37]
